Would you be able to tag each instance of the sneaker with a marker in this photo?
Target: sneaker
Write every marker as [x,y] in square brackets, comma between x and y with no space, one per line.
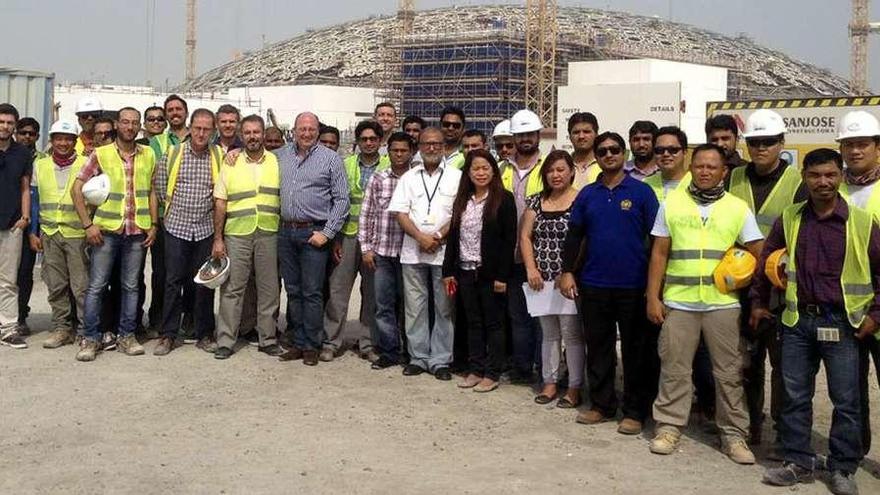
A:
[591,417]
[23,329]
[629,426]
[843,483]
[272,350]
[165,345]
[108,342]
[788,474]
[207,344]
[665,441]
[738,451]
[14,340]
[252,338]
[370,355]
[58,338]
[88,350]
[129,345]
[327,354]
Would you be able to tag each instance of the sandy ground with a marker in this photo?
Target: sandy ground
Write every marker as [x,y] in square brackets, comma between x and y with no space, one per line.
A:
[187,423]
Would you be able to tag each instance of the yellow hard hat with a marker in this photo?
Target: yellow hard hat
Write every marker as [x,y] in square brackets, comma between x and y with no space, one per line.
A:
[735,270]
[774,268]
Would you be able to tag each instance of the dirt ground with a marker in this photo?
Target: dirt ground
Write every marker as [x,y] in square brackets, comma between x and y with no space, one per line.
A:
[187,423]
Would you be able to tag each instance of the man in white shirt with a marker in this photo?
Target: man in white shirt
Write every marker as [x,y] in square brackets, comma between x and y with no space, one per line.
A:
[423,201]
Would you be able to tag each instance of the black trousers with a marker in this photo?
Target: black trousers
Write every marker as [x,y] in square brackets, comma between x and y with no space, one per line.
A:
[605,311]
[183,259]
[766,342]
[869,349]
[25,278]
[484,309]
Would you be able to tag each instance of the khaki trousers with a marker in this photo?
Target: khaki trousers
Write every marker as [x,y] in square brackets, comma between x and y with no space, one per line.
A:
[257,253]
[10,255]
[678,342]
[65,271]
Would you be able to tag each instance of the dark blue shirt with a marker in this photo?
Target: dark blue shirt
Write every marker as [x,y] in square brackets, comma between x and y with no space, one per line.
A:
[15,163]
[616,224]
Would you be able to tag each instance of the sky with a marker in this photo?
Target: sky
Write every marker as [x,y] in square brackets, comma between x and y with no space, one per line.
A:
[109,41]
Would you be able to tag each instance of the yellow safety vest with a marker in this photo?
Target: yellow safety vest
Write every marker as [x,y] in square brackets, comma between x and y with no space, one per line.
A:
[252,206]
[656,183]
[697,247]
[163,141]
[780,198]
[457,162]
[109,215]
[57,213]
[855,279]
[175,158]
[873,204]
[356,194]
[535,183]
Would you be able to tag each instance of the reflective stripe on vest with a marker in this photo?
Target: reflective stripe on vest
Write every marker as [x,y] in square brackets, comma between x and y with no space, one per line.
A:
[696,247]
[57,213]
[534,185]
[855,278]
[656,183]
[109,215]
[172,165]
[250,206]
[356,194]
[780,198]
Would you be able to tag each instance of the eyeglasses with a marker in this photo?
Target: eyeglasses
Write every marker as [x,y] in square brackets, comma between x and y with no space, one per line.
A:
[451,125]
[155,119]
[763,142]
[26,133]
[431,144]
[612,150]
[89,115]
[103,133]
[368,139]
[662,150]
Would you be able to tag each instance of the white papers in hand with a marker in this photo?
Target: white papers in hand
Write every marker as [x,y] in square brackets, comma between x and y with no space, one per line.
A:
[548,301]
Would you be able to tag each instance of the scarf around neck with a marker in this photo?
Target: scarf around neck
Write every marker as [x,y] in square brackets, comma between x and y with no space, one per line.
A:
[865,179]
[708,196]
[63,161]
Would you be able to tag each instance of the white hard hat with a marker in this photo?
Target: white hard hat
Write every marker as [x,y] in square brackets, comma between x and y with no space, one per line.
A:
[89,104]
[64,127]
[502,129]
[525,121]
[97,189]
[213,273]
[858,123]
[764,123]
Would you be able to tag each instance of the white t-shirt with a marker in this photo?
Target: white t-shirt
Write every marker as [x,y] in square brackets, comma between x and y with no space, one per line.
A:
[750,232]
[669,186]
[859,195]
[411,196]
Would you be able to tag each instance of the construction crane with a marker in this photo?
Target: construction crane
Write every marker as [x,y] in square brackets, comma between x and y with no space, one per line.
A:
[859,29]
[190,40]
[406,13]
[541,33]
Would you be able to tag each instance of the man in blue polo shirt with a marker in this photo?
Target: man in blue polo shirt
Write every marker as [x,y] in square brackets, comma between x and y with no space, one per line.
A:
[615,215]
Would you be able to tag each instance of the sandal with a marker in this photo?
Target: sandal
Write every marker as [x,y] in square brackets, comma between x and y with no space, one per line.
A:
[564,403]
[544,399]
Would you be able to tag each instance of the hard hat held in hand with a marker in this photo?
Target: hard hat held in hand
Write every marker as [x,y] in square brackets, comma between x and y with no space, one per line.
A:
[502,129]
[97,189]
[858,124]
[735,270]
[64,127]
[213,273]
[525,121]
[775,266]
[764,123]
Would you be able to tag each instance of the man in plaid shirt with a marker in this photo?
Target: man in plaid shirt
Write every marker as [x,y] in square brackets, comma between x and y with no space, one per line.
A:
[381,237]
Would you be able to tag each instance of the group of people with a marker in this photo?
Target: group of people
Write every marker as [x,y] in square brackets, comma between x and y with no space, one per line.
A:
[451,233]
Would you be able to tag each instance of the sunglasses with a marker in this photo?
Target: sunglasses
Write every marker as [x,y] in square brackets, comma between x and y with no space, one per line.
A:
[103,133]
[662,150]
[609,150]
[764,142]
[368,139]
[155,119]
[506,145]
[451,125]
[89,115]
[26,133]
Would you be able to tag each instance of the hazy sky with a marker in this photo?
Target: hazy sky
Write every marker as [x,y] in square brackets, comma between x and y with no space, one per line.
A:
[108,40]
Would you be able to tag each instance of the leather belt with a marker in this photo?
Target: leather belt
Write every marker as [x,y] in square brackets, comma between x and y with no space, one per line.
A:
[295,224]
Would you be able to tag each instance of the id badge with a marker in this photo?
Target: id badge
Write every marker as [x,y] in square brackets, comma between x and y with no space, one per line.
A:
[429,221]
[828,334]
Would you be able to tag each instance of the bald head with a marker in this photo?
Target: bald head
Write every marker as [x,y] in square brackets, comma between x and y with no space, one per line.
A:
[305,130]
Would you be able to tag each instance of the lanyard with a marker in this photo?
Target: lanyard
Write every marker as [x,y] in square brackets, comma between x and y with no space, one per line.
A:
[425,185]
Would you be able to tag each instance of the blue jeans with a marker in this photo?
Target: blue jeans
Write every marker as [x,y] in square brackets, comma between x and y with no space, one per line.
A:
[128,250]
[801,354]
[429,348]
[388,287]
[303,268]
[525,332]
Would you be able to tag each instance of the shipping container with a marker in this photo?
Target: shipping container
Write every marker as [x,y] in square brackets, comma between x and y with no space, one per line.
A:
[32,93]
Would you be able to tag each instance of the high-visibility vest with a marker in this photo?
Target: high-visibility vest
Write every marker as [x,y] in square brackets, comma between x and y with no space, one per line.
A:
[175,158]
[873,204]
[249,205]
[457,160]
[656,183]
[534,185]
[109,215]
[163,141]
[780,198]
[356,194]
[855,279]
[57,213]
[593,171]
[697,247]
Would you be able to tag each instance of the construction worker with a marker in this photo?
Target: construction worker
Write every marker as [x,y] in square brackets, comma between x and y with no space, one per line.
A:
[227,128]
[669,150]
[582,130]
[123,227]
[831,307]
[246,219]
[329,137]
[474,139]
[385,114]
[413,125]
[56,231]
[722,131]
[693,230]
[184,182]
[502,140]
[27,133]
[641,143]
[88,109]
[104,131]
[176,112]
[521,175]
[859,138]
[154,124]
[359,168]
[452,122]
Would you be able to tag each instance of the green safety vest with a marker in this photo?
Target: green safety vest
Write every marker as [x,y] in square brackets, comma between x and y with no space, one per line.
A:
[57,213]
[697,247]
[855,279]
[175,158]
[780,198]
[535,183]
[356,194]
[873,204]
[656,183]
[109,215]
[251,206]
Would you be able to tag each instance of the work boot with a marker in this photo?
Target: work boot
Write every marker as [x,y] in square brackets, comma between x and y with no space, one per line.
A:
[788,474]
[843,483]
[58,338]
[665,441]
[591,417]
[738,451]
[629,426]
[165,345]
[129,345]
[88,350]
